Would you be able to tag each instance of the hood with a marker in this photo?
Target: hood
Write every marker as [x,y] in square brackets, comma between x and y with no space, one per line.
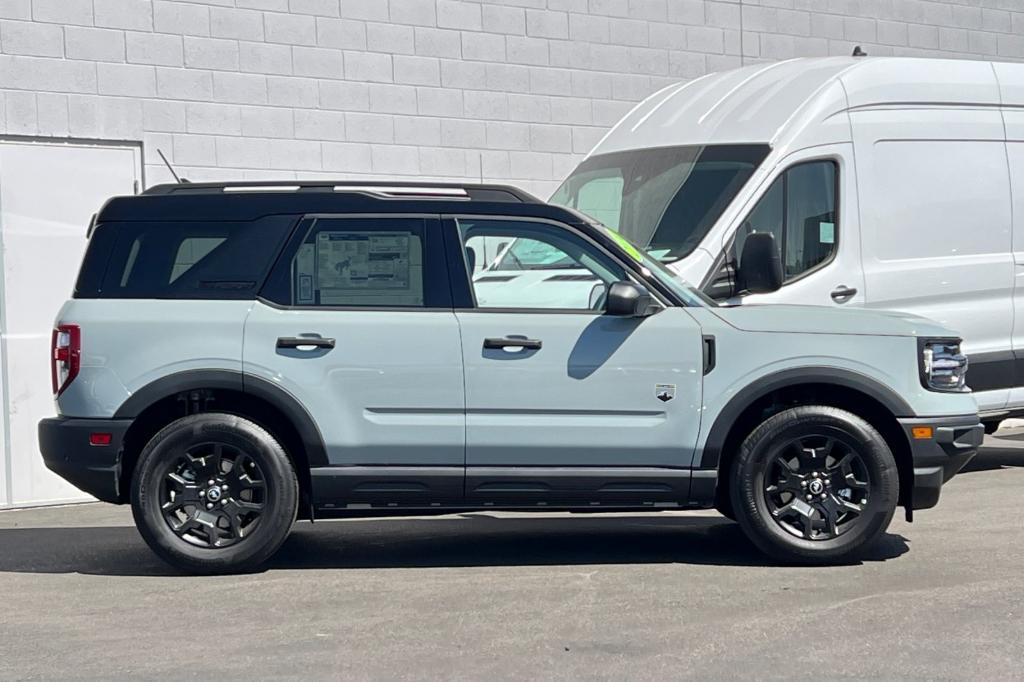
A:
[824,320]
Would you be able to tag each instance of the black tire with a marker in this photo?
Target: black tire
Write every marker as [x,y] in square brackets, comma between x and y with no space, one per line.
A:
[992,426]
[232,525]
[789,452]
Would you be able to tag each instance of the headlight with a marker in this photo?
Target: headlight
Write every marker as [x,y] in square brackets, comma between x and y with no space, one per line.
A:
[943,366]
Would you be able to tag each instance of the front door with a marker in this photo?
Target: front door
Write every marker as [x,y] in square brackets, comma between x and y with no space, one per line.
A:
[356,324]
[819,248]
[565,404]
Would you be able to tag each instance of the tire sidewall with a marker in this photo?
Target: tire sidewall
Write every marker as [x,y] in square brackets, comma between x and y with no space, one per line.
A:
[751,466]
[275,522]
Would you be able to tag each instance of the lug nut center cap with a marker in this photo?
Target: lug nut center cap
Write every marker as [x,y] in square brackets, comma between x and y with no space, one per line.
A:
[213,494]
[816,486]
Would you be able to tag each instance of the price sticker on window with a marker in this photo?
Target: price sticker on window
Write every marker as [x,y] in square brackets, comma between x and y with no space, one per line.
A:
[827,233]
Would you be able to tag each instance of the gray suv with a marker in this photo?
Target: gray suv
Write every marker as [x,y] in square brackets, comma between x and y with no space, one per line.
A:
[239,356]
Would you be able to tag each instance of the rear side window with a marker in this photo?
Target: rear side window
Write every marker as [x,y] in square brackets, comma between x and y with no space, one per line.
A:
[192,260]
[362,262]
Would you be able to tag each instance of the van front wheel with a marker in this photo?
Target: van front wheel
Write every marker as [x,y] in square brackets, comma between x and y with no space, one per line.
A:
[214,493]
[814,484]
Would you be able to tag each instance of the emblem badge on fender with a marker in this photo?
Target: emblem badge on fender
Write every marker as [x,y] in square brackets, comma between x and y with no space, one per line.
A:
[665,392]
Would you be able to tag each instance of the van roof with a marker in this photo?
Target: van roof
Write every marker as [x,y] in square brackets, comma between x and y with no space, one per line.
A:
[773,103]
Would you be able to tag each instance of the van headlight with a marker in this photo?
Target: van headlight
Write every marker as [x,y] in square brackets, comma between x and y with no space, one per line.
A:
[943,366]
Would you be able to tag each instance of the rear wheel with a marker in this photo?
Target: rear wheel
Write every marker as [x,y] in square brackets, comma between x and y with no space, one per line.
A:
[814,484]
[214,493]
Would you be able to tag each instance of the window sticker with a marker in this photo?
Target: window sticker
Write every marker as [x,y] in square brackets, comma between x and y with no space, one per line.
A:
[362,260]
[827,233]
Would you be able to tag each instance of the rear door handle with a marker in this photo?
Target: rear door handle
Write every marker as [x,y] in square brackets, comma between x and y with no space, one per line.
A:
[843,293]
[528,344]
[304,342]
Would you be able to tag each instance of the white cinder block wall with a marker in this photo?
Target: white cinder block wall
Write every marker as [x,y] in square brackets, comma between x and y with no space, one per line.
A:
[507,90]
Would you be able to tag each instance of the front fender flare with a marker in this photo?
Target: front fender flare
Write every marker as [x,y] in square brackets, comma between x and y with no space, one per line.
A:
[712,451]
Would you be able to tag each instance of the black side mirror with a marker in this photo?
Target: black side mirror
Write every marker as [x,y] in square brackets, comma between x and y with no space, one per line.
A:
[626,299]
[760,264]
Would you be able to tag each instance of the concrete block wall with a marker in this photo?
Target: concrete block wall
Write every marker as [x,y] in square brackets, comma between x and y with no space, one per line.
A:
[504,90]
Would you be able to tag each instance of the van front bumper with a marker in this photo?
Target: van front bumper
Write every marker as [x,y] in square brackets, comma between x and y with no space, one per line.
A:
[67,451]
[954,441]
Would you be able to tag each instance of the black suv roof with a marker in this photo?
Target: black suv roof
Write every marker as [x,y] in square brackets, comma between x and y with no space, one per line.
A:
[250,200]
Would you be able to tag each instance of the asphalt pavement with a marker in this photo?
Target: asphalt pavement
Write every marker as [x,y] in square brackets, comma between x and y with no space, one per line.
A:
[524,596]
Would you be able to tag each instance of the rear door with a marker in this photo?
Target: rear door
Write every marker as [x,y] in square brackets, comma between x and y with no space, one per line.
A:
[565,404]
[356,323]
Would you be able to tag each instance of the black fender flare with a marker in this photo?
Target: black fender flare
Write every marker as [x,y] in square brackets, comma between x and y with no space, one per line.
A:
[715,443]
[279,398]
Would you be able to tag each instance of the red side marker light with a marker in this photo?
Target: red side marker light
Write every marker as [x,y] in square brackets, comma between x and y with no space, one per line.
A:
[100,439]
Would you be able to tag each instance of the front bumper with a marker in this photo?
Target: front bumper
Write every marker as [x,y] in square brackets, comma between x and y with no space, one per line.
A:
[954,441]
[94,469]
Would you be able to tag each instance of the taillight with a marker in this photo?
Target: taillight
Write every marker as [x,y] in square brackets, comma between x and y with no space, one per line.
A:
[65,356]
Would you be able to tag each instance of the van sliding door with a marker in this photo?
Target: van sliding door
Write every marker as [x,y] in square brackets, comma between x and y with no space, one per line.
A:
[936,226]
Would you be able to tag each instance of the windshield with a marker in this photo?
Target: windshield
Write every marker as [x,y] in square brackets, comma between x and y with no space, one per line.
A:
[664,199]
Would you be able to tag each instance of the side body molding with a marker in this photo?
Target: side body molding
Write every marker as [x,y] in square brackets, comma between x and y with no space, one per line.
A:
[712,450]
[265,390]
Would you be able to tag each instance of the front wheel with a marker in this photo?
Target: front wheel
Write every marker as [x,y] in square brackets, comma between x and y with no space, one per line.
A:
[814,484]
[214,493]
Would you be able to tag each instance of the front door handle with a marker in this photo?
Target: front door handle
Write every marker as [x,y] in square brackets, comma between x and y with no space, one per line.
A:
[528,344]
[304,342]
[843,293]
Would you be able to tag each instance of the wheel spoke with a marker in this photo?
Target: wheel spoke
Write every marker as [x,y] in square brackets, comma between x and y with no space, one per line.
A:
[788,485]
[831,517]
[186,526]
[242,507]
[236,526]
[809,526]
[209,523]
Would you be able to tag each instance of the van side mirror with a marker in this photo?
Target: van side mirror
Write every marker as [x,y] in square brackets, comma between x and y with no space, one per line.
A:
[760,264]
[626,299]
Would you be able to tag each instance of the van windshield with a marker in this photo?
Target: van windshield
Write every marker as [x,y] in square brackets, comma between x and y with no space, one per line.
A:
[666,198]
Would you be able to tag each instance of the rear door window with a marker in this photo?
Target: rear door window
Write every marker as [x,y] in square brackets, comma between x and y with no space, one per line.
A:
[363,262]
[194,260]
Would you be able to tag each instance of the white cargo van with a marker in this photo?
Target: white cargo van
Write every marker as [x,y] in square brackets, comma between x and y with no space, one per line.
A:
[883,182]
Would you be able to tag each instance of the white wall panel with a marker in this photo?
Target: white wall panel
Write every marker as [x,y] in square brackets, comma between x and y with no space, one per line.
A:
[48,193]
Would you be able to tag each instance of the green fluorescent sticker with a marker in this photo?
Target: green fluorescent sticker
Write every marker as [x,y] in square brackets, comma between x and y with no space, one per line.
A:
[633,252]
[827,233]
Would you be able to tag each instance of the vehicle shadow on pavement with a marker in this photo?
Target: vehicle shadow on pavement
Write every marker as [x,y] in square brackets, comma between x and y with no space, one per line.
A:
[471,540]
[997,453]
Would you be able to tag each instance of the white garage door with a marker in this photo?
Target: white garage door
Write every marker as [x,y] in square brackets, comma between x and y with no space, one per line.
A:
[48,193]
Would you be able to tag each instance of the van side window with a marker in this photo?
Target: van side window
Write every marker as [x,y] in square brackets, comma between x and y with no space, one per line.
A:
[800,210]
[542,266]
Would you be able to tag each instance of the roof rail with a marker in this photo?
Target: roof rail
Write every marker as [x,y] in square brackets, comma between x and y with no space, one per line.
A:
[380,190]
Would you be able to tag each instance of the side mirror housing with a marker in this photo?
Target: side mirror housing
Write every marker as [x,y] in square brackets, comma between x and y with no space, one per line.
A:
[627,299]
[760,264]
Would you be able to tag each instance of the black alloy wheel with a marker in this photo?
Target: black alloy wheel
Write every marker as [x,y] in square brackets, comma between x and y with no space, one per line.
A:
[817,485]
[213,495]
